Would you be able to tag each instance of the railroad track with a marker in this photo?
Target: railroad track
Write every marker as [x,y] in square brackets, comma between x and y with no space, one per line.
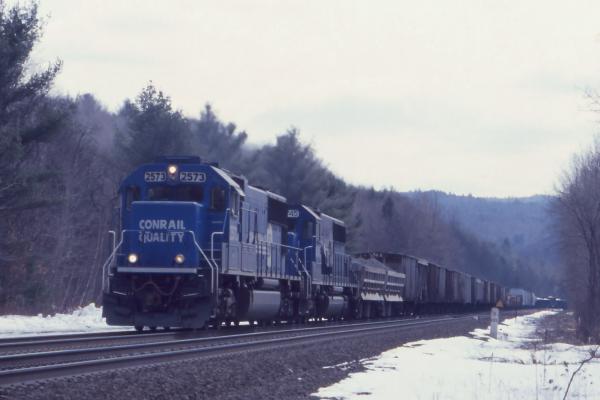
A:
[96,339]
[27,367]
[29,343]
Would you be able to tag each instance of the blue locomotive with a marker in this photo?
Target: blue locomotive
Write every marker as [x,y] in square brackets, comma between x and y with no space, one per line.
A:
[198,245]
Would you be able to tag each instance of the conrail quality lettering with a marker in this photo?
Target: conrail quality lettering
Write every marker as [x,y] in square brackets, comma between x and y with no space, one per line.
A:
[174,230]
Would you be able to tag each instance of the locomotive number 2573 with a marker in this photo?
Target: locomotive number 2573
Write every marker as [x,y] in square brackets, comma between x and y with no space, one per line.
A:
[190,176]
[155,176]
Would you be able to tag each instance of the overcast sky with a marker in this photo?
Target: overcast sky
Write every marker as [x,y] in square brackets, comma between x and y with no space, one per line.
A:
[481,97]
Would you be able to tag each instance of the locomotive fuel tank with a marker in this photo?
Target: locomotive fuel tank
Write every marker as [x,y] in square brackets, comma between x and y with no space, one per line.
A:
[257,305]
[331,306]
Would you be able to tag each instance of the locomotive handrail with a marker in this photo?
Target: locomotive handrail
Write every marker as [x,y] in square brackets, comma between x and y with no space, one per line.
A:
[114,247]
[279,244]
[306,248]
[271,245]
[114,238]
[212,245]
[309,279]
[264,247]
[214,272]
[111,257]
[212,239]
[308,286]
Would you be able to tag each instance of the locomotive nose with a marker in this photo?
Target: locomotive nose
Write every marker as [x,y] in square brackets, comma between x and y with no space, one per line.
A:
[165,234]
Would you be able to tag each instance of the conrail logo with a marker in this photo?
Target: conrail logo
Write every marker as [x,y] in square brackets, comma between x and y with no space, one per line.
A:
[170,230]
[162,224]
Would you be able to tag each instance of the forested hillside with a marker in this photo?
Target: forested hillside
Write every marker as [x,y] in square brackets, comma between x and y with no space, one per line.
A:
[523,227]
[519,221]
[61,160]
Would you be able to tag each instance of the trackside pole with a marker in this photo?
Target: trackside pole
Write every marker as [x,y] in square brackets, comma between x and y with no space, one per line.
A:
[495,316]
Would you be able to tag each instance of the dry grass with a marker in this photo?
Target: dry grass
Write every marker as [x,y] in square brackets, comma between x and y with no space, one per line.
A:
[558,328]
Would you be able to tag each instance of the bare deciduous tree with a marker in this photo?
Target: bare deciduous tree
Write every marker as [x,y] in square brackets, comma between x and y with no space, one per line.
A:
[578,223]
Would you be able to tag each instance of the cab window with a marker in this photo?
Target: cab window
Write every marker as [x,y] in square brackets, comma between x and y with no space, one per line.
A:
[176,193]
[308,230]
[217,199]
[132,194]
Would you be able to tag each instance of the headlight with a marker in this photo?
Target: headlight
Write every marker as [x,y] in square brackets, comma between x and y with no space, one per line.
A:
[132,258]
[179,258]
[172,169]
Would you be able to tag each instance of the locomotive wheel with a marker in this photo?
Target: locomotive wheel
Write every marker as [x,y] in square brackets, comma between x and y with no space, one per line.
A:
[153,328]
[366,310]
[358,309]
[139,328]
[166,328]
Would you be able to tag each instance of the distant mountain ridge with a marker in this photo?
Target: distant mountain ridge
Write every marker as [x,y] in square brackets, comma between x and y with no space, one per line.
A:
[522,220]
[520,226]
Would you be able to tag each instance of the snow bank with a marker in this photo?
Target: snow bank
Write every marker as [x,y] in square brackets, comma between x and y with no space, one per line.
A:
[516,366]
[86,319]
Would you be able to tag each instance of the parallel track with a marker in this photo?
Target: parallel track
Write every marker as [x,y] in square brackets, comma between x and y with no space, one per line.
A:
[20,368]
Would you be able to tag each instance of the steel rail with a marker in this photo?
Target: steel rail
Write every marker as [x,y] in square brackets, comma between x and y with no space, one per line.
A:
[187,341]
[66,335]
[41,340]
[31,342]
[20,375]
[19,344]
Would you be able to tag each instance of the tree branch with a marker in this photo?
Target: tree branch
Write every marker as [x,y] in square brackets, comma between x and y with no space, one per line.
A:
[593,354]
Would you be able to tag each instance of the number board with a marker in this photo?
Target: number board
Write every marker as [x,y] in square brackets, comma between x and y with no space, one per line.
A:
[293,213]
[192,177]
[155,176]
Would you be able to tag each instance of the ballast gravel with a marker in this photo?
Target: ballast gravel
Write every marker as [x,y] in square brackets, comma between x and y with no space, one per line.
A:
[290,372]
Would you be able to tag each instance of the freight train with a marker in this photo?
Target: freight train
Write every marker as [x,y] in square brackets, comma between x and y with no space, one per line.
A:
[197,245]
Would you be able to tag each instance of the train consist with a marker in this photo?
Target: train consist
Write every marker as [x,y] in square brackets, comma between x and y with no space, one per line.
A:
[198,245]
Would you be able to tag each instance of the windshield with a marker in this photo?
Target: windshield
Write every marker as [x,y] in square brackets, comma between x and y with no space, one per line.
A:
[193,193]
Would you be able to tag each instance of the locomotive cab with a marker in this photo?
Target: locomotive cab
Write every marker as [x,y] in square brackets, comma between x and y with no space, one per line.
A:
[322,239]
[174,217]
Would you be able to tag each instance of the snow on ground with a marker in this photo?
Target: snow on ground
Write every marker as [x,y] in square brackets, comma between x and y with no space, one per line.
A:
[516,366]
[86,319]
